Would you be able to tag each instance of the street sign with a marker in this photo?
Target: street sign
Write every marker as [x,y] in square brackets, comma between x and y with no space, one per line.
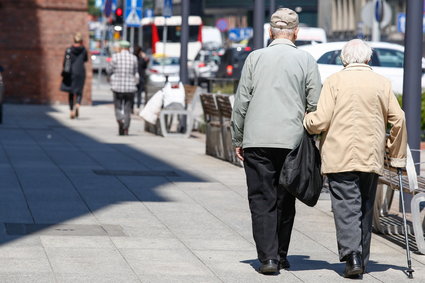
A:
[401,23]
[222,24]
[167,11]
[107,8]
[133,13]
[371,12]
[149,13]
[238,34]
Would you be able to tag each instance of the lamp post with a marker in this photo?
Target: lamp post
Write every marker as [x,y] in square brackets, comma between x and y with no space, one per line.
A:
[258,24]
[184,41]
[412,91]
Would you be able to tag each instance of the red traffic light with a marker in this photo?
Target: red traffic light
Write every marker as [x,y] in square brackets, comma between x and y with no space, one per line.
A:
[118,12]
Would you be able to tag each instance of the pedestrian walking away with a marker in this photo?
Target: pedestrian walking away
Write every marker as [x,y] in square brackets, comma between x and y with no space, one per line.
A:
[278,85]
[124,79]
[74,74]
[353,111]
[142,63]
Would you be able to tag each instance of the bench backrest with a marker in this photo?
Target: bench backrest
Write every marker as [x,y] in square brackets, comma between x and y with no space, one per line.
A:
[209,106]
[224,106]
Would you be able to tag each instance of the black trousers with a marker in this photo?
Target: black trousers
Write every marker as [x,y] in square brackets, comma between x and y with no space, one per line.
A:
[78,96]
[353,195]
[123,103]
[272,207]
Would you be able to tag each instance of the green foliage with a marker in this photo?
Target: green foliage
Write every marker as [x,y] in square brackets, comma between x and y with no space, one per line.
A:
[92,9]
[399,98]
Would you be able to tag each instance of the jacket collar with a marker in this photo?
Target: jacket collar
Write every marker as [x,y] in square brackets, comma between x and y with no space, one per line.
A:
[282,41]
[357,67]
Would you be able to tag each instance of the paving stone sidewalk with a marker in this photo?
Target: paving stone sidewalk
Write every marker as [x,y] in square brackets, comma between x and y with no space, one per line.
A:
[81,204]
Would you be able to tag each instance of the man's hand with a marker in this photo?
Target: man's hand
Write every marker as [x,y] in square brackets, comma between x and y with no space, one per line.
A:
[239,152]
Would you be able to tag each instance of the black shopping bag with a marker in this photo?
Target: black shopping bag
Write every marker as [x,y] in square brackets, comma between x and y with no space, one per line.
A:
[300,174]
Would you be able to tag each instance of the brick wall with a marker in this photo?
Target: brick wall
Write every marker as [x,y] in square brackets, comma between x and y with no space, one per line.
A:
[33,37]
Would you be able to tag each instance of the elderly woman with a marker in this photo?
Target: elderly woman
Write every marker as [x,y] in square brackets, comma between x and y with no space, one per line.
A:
[353,112]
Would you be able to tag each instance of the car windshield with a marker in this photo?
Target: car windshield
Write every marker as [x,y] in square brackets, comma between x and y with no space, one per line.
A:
[166,61]
[381,57]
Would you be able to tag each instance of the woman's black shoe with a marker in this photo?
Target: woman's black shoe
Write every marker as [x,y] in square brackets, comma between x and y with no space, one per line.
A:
[353,266]
[269,267]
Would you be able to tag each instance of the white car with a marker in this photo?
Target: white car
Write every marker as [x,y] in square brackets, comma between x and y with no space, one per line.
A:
[159,70]
[387,60]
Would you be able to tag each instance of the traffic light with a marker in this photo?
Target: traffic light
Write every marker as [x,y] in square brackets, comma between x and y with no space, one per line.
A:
[118,16]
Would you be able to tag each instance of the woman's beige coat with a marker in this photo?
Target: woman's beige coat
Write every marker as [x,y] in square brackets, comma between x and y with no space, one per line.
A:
[354,109]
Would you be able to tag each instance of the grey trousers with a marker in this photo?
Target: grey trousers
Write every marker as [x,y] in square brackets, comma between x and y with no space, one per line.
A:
[353,195]
[123,104]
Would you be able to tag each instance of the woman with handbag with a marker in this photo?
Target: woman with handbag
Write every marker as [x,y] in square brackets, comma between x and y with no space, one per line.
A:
[354,109]
[74,74]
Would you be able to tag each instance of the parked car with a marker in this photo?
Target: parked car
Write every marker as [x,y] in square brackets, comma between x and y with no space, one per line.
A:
[232,62]
[100,59]
[160,69]
[204,66]
[387,60]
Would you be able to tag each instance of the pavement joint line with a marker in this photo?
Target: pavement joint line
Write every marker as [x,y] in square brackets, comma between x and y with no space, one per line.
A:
[19,181]
[88,207]
[210,212]
[168,228]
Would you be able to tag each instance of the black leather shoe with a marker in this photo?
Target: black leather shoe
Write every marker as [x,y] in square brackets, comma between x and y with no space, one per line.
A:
[284,263]
[269,267]
[353,266]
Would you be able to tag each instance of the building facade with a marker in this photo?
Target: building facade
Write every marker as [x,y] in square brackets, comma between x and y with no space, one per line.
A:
[342,19]
[33,37]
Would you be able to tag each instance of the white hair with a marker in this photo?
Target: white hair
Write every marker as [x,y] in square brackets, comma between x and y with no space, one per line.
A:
[356,51]
[282,32]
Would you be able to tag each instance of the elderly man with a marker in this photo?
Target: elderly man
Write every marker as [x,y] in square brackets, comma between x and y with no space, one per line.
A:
[354,108]
[124,80]
[277,86]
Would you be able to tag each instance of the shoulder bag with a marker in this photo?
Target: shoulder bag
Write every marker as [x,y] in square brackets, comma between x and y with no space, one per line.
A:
[300,174]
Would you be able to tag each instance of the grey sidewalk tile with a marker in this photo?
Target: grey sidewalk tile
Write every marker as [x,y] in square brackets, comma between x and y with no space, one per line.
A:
[153,243]
[169,262]
[175,278]
[96,278]
[76,242]
[26,277]
[95,261]
[25,259]
[235,244]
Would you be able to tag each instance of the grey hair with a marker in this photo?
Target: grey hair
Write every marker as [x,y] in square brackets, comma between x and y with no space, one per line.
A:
[356,51]
[279,32]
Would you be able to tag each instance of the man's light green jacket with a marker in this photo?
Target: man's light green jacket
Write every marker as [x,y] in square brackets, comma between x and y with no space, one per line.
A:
[278,85]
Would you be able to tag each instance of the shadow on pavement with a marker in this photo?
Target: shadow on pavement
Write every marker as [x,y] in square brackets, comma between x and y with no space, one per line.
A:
[304,263]
[52,174]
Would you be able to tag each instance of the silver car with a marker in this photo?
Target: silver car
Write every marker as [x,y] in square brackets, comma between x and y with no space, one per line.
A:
[159,70]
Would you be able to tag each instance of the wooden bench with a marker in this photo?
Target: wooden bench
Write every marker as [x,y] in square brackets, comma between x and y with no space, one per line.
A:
[214,141]
[387,184]
[225,111]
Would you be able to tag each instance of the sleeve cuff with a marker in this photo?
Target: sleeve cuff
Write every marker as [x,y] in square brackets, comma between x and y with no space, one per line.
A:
[398,162]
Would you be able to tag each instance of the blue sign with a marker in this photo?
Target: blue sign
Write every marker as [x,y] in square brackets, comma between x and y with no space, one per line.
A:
[149,13]
[379,11]
[238,34]
[167,11]
[107,9]
[222,24]
[133,12]
[401,23]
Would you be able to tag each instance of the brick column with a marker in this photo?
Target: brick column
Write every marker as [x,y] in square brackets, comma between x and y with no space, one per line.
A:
[33,37]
